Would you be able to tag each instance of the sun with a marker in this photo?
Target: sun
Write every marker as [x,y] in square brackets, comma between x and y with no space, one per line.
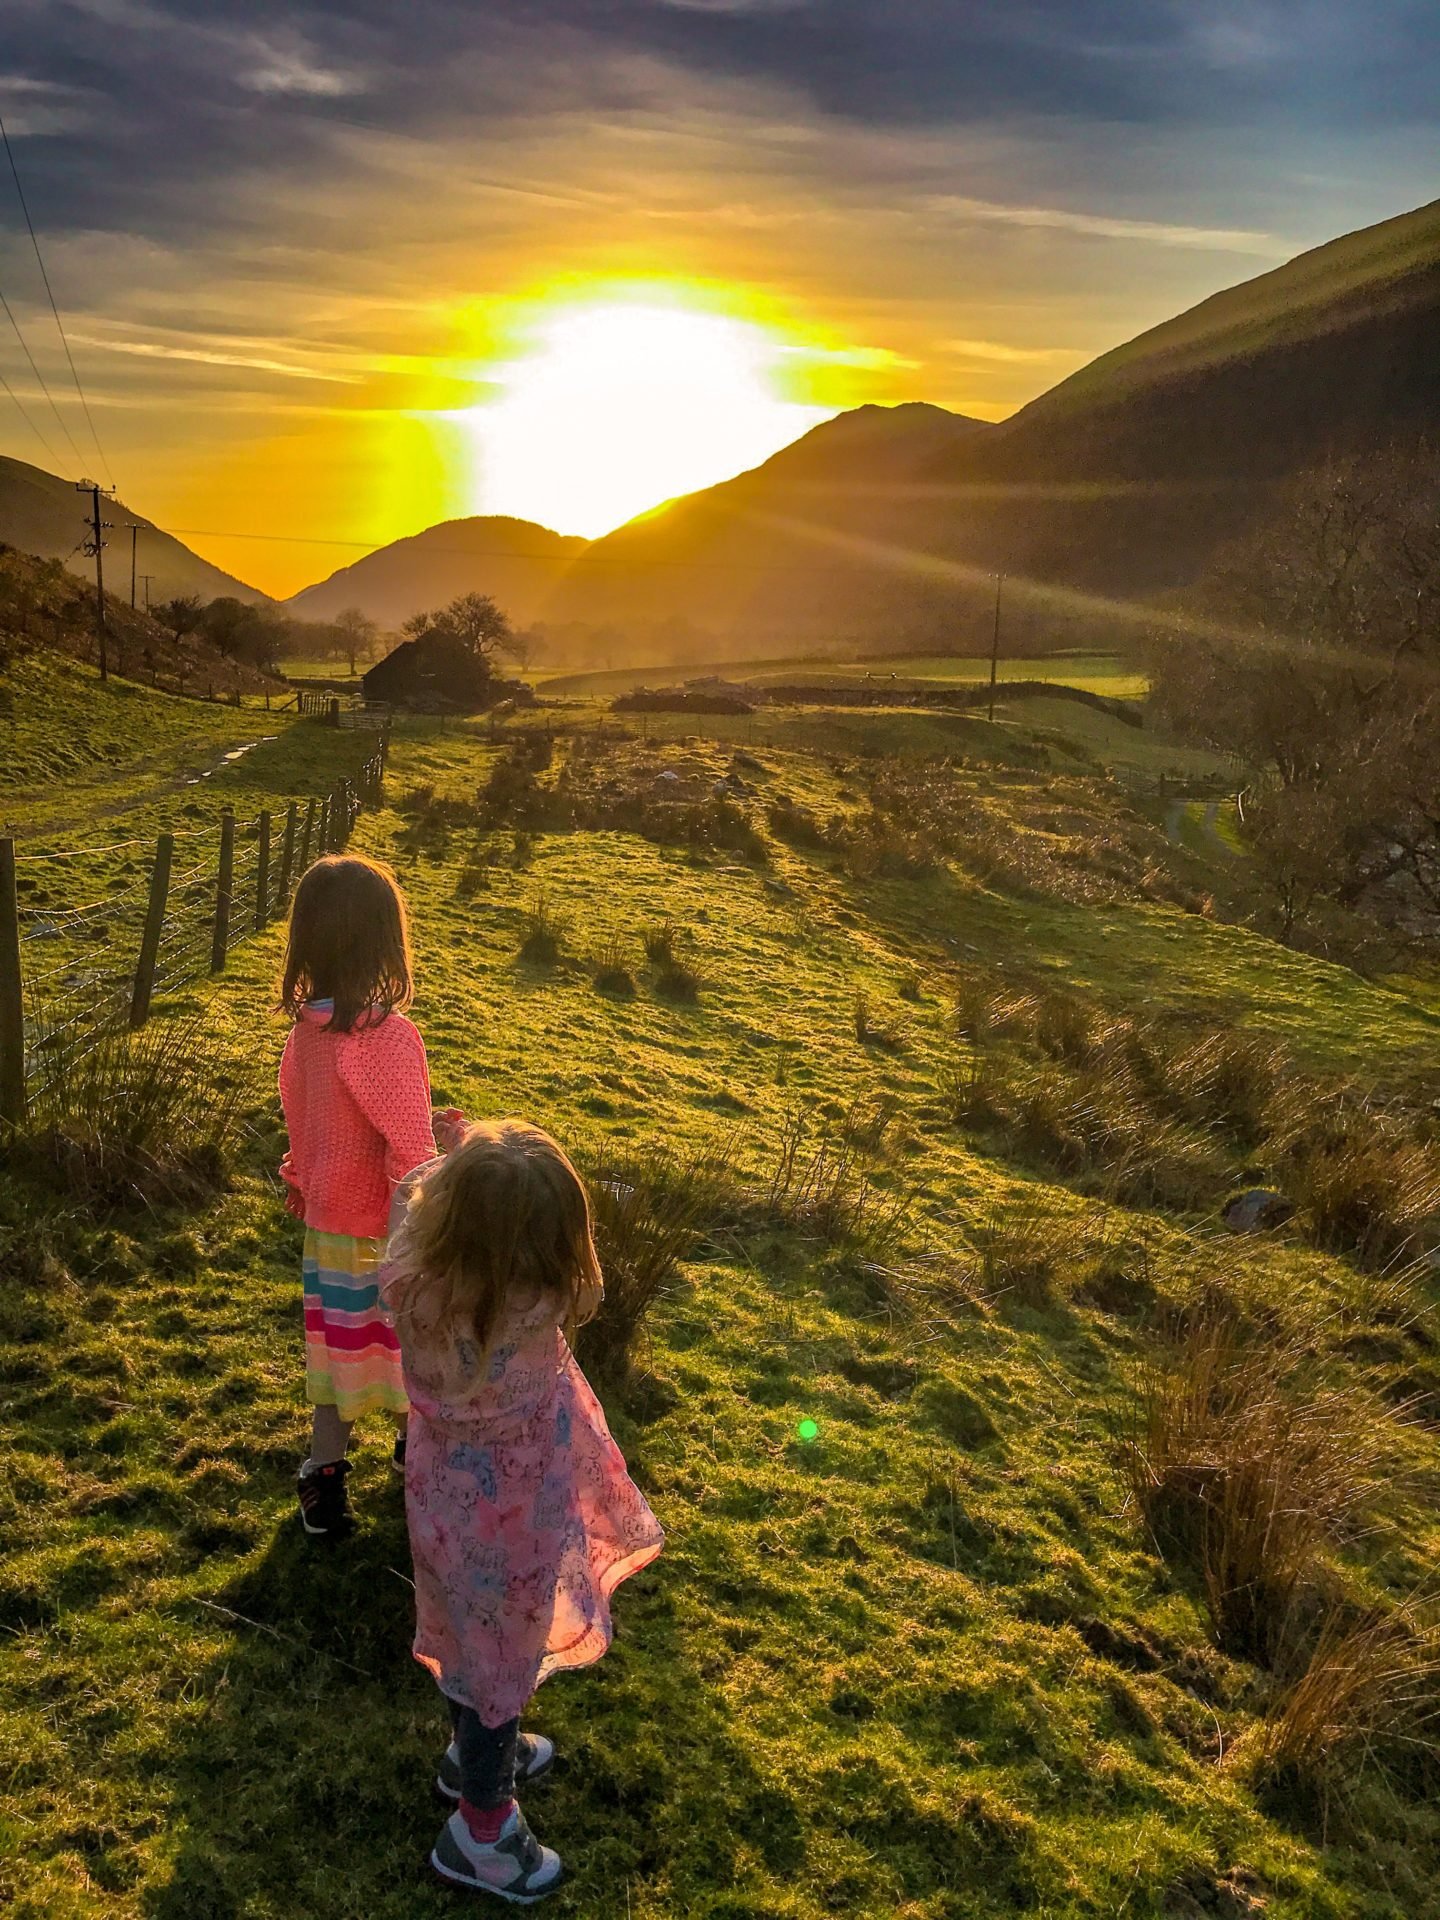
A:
[615,404]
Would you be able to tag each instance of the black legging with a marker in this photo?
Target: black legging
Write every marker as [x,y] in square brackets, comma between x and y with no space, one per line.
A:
[487,1756]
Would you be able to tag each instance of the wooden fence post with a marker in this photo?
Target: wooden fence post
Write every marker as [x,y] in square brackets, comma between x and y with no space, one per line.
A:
[12,998]
[287,855]
[339,825]
[322,837]
[306,838]
[224,881]
[154,922]
[262,872]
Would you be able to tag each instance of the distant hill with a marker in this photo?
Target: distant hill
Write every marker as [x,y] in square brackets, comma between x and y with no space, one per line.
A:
[736,565]
[42,514]
[1130,474]
[516,562]
[881,528]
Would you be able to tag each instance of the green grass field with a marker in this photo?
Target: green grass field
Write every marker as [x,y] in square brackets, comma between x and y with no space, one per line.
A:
[929,1666]
[1097,672]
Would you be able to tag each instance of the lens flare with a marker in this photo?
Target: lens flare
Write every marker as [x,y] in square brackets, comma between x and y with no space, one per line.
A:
[809,1432]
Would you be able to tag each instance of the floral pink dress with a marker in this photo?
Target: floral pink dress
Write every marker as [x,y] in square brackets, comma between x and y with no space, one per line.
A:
[523,1519]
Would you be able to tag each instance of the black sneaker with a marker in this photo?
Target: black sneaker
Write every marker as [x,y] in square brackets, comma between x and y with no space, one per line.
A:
[324,1510]
[397,1456]
[516,1866]
[534,1756]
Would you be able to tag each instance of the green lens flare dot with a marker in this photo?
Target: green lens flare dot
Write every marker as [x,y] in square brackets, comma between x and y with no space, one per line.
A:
[808,1431]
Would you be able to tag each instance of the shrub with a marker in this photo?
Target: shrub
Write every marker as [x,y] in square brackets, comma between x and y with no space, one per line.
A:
[1019,1250]
[474,875]
[546,929]
[982,1014]
[677,980]
[137,1118]
[611,966]
[431,819]
[972,1093]
[866,1124]
[650,1207]
[1227,1078]
[660,941]
[1238,1461]
[1365,1185]
[512,794]
[819,1185]
[1370,1686]
[796,824]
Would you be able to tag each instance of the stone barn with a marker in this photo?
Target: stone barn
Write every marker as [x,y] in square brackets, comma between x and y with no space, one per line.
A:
[434,671]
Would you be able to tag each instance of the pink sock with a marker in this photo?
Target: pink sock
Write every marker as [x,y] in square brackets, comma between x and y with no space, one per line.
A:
[485,1822]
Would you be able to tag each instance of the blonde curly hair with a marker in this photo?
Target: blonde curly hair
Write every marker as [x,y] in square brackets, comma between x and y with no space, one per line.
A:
[503,1220]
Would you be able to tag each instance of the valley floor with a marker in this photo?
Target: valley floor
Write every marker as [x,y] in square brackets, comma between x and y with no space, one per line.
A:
[929,1665]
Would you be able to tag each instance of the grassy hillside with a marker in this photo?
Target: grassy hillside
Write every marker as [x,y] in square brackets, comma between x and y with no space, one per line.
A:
[931,1663]
[60,738]
[1098,672]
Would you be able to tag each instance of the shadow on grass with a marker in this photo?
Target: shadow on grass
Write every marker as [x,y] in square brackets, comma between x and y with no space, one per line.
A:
[304,1784]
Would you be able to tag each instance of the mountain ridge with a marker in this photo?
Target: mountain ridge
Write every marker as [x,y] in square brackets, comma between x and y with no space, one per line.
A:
[427,569]
[44,515]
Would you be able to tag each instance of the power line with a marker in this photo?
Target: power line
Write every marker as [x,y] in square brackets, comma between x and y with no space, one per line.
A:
[497,553]
[59,328]
[50,453]
[24,348]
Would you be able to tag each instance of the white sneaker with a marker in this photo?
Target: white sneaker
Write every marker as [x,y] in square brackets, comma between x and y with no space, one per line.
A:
[515,1867]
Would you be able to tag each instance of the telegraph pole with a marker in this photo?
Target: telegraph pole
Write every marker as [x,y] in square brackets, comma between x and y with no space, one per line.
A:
[146,578]
[134,537]
[995,643]
[96,545]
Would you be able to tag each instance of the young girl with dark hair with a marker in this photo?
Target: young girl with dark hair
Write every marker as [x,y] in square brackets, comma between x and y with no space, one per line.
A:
[522,1518]
[356,1093]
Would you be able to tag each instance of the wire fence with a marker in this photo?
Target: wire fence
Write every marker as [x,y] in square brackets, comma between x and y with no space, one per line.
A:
[70,975]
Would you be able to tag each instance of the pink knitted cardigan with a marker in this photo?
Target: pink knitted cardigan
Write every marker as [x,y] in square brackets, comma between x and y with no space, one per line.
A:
[357,1107]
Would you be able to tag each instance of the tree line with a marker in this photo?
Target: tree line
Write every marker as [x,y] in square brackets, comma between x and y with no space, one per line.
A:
[260,636]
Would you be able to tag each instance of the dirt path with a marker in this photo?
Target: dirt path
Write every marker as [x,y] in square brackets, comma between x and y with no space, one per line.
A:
[1195,825]
[121,789]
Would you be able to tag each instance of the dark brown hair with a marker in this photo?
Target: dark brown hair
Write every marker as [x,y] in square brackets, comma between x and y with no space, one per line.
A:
[349,941]
[505,1214]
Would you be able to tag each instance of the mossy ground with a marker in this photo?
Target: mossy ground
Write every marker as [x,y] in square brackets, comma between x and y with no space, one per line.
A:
[927,1666]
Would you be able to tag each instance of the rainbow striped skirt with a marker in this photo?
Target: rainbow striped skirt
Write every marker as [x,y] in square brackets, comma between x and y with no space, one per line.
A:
[352,1357]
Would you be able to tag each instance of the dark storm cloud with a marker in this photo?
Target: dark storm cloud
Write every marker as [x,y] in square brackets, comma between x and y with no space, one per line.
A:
[141,115]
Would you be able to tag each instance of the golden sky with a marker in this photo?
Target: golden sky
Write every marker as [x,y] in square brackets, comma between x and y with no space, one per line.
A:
[333,275]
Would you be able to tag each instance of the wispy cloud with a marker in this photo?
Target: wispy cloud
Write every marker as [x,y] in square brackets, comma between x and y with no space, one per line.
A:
[1004,355]
[1105,226]
[212,357]
[289,70]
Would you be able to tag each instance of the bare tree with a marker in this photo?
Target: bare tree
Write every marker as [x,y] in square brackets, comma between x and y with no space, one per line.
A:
[355,631]
[474,622]
[1322,670]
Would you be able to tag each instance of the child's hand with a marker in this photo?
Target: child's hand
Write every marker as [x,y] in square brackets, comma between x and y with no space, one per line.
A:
[450,1126]
[295,1203]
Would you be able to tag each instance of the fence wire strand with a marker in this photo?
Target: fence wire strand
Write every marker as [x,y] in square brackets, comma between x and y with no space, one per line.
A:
[75,1005]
